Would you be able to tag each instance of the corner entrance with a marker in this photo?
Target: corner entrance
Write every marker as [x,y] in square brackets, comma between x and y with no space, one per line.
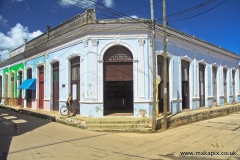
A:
[185,84]
[118,81]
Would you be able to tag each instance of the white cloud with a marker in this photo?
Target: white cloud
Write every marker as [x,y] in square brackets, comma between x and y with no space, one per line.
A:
[3,22]
[84,4]
[108,3]
[134,16]
[130,17]
[15,37]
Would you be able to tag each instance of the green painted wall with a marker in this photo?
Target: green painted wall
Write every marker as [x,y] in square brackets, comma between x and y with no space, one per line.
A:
[14,69]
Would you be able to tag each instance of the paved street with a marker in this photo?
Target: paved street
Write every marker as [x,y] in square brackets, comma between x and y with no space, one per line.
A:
[41,139]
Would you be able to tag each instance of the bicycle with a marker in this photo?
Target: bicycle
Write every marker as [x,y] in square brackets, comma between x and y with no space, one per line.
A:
[64,110]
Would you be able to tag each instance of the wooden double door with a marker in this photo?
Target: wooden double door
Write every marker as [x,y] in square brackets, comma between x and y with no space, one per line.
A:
[118,80]
[41,87]
[55,83]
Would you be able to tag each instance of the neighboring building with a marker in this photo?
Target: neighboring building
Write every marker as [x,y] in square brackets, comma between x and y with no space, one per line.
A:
[106,66]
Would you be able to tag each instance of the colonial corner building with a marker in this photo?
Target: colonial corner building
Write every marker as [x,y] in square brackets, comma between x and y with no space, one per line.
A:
[106,66]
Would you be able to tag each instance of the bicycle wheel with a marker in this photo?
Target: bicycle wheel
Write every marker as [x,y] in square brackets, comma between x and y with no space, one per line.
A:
[64,111]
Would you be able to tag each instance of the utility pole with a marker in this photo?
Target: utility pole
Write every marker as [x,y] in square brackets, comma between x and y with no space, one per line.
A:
[153,69]
[164,68]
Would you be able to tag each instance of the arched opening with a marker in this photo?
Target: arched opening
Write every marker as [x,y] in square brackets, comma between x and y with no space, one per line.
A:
[225,84]
[118,81]
[201,69]
[214,83]
[160,85]
[41,86]
[233,85]
[75,82]
[55,84]
[12,90]
[20,90]
[30,94]
[185,84]
[6,100]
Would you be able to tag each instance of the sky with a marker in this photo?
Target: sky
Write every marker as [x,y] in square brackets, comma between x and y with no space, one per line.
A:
[214,21]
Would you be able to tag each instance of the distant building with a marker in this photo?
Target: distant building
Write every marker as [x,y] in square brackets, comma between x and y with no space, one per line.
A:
[106,66]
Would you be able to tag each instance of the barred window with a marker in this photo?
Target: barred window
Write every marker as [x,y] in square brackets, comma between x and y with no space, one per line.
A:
[117,53]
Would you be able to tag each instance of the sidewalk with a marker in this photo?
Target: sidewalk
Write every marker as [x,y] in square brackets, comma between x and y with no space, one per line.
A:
[128,124]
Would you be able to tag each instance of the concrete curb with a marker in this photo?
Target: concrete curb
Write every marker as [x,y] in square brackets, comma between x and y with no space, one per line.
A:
[192,116]
[173,120]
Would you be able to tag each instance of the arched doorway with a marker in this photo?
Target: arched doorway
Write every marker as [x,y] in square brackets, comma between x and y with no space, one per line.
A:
[118,81]
[233,85]
[6,100]
[160,85]
[214,83]
[185,84]
[12,90]
[55,82]
[75,82]
[41,86]
[20,91]
[202,84]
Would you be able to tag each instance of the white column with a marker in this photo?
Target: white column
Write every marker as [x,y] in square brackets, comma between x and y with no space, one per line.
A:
[195,75]
[85,69]
[94,69]
[100,71]
[141,70]
[150,71]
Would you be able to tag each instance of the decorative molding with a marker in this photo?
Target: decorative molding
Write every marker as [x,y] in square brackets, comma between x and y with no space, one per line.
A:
[202,62]
[85,43]
[186,58]
[54,61]
[95,42]
[73,55]
[210,97]
[225,67]
[176,100]
[161,53]
[196,98]
[40,64]
[141,42]
[234,69]
[215,65]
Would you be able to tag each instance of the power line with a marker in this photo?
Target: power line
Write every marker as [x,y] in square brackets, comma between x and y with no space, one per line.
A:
[189,9]
[199,13]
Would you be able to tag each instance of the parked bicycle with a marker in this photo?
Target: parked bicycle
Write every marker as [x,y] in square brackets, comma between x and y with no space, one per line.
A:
[71,110]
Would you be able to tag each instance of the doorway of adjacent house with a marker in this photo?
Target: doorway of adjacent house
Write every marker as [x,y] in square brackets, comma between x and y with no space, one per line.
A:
[41,86]
[214,81]
[55,82]
[29,93]
[201,84]
[20,90]
[12,90]
[225,84]
[233,85]
[160,85]
[118,81]
[185,84]
[75,83]
[6,100]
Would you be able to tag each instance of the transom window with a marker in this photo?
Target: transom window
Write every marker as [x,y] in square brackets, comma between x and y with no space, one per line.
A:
[118,53]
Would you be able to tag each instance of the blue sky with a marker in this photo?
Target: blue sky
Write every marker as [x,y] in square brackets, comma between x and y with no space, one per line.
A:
[26,19]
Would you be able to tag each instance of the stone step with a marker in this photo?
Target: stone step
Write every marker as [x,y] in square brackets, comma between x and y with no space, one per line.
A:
[138,130]
[118,126]
[119,121]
